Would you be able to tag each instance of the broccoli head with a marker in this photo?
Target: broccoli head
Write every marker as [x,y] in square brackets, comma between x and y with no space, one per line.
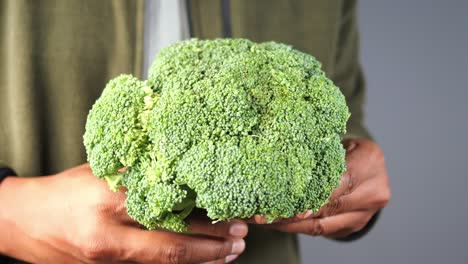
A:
[230,126]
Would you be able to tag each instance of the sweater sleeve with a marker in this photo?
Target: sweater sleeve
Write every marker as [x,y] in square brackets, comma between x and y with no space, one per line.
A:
[3,164]
[348,73]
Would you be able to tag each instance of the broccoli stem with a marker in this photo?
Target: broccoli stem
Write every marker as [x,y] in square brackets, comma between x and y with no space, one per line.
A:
[186,206]
[114,181]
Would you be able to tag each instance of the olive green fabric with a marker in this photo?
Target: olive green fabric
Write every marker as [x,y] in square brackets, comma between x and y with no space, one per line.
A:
[327,29]
[57,55]
[207,20]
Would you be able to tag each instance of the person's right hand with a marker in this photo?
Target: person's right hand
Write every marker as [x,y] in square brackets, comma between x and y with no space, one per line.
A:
[73,217]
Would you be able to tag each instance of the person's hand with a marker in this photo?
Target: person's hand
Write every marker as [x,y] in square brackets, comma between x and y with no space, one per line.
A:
[73,217]
[363,190]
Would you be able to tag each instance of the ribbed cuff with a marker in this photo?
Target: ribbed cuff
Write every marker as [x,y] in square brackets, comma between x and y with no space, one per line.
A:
[5,172]
[7,260]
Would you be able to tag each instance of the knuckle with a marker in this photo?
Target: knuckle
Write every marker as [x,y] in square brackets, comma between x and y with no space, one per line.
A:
[93,251]
[93,244]
[177,253]
[219,252]
[109,203]
[333,207]
[101,204]
[223,250]
[352,182]
[215,228]
[106,209]
[102,209]
[382,198]
[316,228]
[377,155]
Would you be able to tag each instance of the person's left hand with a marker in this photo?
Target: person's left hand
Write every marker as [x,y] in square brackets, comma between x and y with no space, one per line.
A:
[364,189]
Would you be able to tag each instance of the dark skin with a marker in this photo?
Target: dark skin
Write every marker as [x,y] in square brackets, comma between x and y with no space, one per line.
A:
[364,189]
[73,217]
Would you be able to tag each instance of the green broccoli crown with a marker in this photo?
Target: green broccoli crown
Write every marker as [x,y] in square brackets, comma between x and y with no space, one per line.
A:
[227,125]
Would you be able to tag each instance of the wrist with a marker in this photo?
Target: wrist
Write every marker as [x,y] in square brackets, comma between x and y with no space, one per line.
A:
[7,188]
[10,191]
[13,241]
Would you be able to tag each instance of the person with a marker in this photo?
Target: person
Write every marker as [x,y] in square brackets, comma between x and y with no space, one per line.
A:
[57,57]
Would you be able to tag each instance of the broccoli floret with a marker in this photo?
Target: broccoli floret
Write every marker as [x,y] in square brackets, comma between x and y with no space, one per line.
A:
[230,126]
[156,204]
[114,136]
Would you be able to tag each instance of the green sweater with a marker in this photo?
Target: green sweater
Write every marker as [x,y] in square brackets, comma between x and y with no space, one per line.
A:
[56,57]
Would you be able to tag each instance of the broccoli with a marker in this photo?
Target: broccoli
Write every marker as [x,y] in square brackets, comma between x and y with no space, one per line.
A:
[228,125]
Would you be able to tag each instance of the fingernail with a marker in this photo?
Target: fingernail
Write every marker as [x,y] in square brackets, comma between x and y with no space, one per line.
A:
[260,219]
[230,258]
[238,230]
[307,213]
[238,246]
[351,146]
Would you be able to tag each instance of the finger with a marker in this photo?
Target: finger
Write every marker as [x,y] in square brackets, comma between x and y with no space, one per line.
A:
[354,175]
[365,158]
[233,228]
[370,195]
[115,209]
[343,204]
[263,220]
[344,224]
[231,258]
[348,183]
[259,219]
[349,144]
[228,259]
[219,261]
[145,246]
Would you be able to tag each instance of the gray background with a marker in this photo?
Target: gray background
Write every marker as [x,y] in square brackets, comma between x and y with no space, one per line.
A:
[415,58]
